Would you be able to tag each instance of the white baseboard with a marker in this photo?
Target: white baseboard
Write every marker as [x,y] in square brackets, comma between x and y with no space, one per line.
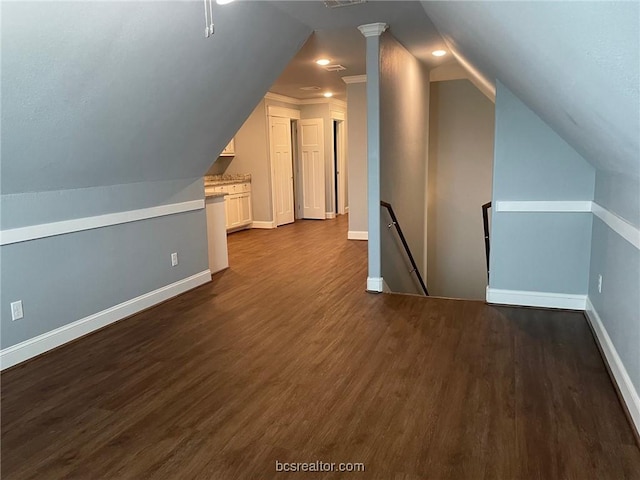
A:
[329,215]
[355,235]
[42,343]
[385,287]
[263,225]
[375,284]
[619,372]
[566,301]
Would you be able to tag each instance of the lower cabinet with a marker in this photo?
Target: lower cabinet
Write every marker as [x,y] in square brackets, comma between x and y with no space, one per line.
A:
[237,205]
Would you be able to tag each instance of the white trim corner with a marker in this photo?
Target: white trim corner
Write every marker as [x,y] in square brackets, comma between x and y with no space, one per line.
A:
[375,284]
[263,225]
[329,215]
[356,235]
[40,344]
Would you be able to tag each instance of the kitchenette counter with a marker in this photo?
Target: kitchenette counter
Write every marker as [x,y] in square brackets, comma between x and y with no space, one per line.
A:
[226,179]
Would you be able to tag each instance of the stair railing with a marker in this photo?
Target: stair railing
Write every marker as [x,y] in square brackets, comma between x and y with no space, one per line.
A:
[485,221]
[414,267]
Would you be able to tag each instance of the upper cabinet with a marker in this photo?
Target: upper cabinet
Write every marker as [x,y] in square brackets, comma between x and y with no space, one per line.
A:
[229,150]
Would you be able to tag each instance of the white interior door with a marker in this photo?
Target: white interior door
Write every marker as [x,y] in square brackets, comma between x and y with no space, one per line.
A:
[312,163]
[280,140]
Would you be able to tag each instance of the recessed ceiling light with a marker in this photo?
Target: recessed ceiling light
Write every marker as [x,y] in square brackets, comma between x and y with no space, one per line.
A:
[439,53]
[323,61]
[223,2]
[328,94]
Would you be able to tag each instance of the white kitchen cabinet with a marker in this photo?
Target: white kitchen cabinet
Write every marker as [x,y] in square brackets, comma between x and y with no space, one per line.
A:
[244,204]
[229,150]
[237,205]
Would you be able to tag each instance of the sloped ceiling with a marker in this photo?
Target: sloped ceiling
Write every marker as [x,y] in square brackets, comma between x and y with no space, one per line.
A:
[106,93]
[573,63]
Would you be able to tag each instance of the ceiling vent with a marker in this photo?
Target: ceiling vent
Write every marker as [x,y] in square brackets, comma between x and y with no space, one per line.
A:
[341,3]
[334,68]
[310,89]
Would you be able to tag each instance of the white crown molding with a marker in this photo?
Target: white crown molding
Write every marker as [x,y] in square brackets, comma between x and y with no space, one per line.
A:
[568,301]
[47,341]
[274,111]
[373,29]
[43,230]
[304,101]
[544,206]
[616,367]
[337,115]
[355,79]
[281,98]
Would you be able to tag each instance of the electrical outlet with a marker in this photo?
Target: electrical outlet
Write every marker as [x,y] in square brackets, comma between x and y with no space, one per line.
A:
[16,310]
[599,283]
[174,259]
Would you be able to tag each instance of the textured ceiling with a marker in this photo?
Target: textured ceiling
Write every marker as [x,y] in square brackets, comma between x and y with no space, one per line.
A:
[573,63]
[337,37]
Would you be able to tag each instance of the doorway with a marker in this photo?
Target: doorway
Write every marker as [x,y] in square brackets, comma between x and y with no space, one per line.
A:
[338,165]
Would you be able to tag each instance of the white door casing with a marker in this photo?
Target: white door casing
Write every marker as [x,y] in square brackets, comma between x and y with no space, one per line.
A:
[311,135]
[282,161]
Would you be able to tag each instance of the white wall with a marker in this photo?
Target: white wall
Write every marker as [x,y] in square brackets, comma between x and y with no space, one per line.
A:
[461,127]
[323,111]
[252,156]
[357,156]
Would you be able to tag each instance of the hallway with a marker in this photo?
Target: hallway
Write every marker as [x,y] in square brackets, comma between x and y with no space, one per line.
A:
[284,357]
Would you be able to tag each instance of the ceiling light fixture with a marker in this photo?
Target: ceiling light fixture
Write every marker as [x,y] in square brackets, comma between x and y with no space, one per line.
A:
[323,61]
[328,94]
[439,53]
[223,2]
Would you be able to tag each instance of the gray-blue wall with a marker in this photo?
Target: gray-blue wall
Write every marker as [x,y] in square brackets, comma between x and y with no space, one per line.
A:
[618,305]
[540,252]
[65,278]
[110,107]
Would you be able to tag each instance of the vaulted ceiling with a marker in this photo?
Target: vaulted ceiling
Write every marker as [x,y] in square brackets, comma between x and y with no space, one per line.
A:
[102,93]
[575,64]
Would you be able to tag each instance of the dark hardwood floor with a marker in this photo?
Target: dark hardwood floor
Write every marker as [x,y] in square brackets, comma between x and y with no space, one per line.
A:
[284,357]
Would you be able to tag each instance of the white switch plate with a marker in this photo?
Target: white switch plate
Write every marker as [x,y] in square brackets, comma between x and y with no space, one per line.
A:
[16,310]
[174,259]
[599,283]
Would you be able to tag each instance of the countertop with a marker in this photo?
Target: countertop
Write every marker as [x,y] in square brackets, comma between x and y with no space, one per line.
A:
[214,194]
[216,180]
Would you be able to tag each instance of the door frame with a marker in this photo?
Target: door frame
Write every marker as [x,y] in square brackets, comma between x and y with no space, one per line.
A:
[341,161]
[292,115]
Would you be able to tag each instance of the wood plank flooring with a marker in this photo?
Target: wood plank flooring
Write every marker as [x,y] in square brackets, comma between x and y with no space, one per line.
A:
[284,357]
